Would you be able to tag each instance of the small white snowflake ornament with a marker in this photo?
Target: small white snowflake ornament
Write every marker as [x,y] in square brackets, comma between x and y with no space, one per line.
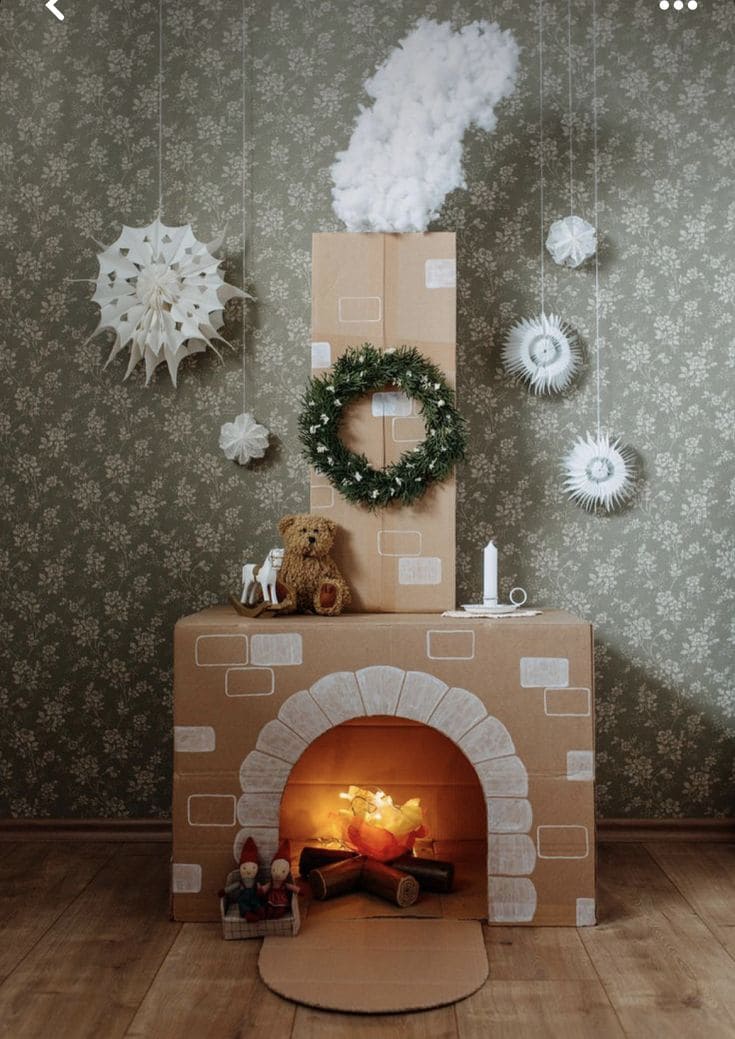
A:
[243,439]
[599,472]
[571,241]
[544,352]
[160,291]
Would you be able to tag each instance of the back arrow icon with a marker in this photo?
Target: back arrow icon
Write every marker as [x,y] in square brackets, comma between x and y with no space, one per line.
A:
[54,10]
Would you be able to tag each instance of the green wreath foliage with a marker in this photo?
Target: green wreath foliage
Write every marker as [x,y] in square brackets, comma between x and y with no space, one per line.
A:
[362,370]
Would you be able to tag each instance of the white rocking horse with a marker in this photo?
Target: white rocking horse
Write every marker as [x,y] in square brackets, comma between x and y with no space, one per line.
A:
[266,576]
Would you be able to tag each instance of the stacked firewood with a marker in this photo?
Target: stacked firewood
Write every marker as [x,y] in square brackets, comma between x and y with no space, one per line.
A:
[332,872]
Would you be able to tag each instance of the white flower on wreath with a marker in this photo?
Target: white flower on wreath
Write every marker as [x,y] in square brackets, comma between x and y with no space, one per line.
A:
[243,439]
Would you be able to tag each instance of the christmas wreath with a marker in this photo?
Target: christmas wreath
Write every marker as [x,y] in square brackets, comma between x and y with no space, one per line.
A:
[359,371]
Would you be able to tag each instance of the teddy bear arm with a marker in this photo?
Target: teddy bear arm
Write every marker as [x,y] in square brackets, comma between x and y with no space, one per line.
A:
[332,571]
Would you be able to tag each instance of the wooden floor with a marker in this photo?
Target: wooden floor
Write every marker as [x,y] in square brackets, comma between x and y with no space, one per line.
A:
[86,949]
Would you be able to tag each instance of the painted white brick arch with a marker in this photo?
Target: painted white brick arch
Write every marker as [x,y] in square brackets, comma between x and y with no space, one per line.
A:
[418,696]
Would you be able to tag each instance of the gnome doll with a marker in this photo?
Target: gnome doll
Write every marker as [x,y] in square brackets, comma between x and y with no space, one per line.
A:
[276,890]
[246,894]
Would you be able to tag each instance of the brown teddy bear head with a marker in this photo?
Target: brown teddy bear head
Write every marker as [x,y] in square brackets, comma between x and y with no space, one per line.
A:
[307,535]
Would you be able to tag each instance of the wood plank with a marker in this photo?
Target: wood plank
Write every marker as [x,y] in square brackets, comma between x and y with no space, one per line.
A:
[318,1024]
[660,967]
[205,986]
[542,983]
[268,1016]
[88,975]
[538,1010]
[705,876]
[537,954]
[28,872]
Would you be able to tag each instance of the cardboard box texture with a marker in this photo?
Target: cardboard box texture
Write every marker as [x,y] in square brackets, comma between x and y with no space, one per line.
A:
[513,696]
[388,290]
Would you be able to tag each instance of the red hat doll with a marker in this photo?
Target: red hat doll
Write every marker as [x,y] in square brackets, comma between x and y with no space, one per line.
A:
[278,887]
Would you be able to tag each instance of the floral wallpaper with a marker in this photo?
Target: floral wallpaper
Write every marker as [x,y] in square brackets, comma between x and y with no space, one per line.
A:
[121,514]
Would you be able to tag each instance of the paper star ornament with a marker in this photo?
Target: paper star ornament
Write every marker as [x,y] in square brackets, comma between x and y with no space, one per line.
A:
[161,292]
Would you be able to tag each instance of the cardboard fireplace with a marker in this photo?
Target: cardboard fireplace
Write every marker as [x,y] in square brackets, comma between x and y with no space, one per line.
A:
[510,702]
[489,722]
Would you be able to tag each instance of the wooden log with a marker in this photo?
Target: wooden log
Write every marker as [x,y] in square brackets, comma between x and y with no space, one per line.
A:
[432,874]
[339,878]
[314,858]
[392,885]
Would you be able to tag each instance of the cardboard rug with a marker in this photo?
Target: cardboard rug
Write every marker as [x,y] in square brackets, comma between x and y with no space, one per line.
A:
[378,965]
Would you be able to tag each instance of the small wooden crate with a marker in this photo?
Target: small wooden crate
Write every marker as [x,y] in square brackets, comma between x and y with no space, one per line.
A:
[234,926]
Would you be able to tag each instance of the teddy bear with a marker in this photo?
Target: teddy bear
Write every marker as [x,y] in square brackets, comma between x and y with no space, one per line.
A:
[310,576]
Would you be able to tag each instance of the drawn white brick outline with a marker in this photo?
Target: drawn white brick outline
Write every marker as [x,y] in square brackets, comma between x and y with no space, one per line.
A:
[389,403]
[186,878]
[419,570]
[234,648]
[194,739]
[440,274]
[580,765]
[586,912]
[562,841]
[356,309]
[568,702]
[456,713]
[511,900]
[541,672]
[321,355]
[213,802]
[400,542]
[249,681]
[457,644]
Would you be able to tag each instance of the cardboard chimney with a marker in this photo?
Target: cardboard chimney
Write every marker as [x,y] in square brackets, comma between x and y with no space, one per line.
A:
[388,290]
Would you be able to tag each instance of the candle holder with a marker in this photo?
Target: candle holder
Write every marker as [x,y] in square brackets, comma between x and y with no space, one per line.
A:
[484,609]
[490,607]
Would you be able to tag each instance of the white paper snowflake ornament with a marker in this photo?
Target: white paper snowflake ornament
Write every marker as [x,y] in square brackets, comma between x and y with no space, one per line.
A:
[243,439]
[571,241]
[599,472]
[544,352]
[160,291]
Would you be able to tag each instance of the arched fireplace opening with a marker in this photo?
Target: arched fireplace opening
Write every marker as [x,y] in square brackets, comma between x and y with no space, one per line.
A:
[406,759]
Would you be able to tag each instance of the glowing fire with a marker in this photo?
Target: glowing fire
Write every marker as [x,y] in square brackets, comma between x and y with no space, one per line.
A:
[375,826]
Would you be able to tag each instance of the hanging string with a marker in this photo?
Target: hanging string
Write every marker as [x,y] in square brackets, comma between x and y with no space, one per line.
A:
[160,108]
[243,52]
[571,108]
[598,343]
[541,135]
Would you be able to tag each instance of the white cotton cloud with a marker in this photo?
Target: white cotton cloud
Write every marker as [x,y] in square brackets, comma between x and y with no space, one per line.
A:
[405,154]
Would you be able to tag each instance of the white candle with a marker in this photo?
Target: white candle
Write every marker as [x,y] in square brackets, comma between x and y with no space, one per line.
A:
[490,575]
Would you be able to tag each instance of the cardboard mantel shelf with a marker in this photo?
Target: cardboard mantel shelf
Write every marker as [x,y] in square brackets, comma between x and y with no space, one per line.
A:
[516,699]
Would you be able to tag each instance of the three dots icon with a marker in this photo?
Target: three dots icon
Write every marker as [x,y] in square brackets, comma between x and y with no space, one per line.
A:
[678,5]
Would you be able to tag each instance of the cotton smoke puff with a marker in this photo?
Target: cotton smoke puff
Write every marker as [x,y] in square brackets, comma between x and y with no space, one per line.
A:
[405,154]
